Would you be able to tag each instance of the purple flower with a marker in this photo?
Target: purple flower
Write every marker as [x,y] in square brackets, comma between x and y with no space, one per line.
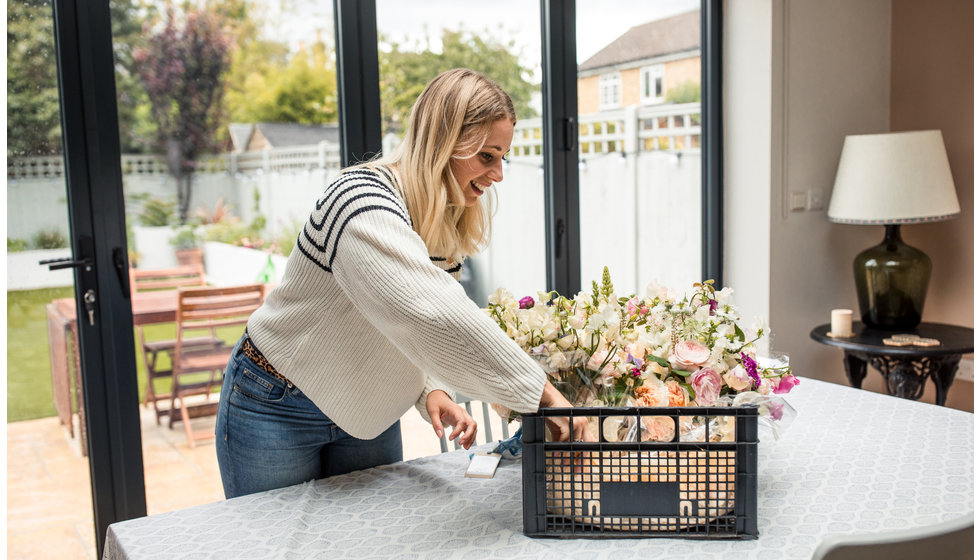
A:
[712,305]
[527,302]
[636,361]
[751,367]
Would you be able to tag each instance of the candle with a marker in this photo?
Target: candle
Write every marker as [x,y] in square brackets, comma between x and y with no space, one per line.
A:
[840,322]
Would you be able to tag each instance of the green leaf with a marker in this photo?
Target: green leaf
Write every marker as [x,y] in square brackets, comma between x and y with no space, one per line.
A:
[658,360]
[681,372]
[739,333]
[690,390]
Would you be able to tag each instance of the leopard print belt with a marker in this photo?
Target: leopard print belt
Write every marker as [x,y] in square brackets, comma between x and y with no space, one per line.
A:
[253,354]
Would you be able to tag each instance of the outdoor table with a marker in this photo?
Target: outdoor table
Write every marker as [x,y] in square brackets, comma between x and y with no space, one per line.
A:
[148,308]
[851,462]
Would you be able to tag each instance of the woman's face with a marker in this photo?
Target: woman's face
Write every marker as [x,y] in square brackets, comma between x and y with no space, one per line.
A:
[480,171]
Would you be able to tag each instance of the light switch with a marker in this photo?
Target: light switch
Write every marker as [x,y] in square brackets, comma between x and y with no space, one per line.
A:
[797,201]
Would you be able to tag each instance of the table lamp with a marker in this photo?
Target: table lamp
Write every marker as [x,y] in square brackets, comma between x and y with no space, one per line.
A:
[893,179]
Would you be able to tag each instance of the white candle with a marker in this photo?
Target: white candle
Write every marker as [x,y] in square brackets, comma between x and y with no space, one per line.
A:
[840,322]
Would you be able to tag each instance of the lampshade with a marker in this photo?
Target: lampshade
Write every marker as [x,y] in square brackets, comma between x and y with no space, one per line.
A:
[893,178]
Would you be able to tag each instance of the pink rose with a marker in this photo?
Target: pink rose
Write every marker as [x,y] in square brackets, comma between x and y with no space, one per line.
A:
[786,384]
[690,354]
[707,386]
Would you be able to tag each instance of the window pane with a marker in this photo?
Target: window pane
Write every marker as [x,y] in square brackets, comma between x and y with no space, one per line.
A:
[417,41]
[49,503]
[639,144]
[228,122]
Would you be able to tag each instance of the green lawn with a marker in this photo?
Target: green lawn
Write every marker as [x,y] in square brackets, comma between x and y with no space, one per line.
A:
[29,393]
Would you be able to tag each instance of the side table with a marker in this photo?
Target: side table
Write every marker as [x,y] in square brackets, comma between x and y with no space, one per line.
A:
[905,368]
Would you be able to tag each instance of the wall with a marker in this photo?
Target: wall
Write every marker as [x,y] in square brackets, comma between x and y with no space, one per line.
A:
[747,79]
[932,88]
[829,75]
[588,95]
[679,72]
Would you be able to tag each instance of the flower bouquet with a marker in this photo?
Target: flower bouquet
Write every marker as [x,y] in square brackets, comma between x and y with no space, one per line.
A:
[661,354]
[600,349]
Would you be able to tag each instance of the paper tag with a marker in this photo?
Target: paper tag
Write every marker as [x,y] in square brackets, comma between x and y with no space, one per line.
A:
[483,465]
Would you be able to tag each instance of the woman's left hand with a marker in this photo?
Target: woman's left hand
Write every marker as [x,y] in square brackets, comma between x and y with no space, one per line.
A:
[443,410]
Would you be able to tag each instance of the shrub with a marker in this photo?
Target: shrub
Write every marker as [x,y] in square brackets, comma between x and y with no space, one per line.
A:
[157,212]
[49,239]
[17,245]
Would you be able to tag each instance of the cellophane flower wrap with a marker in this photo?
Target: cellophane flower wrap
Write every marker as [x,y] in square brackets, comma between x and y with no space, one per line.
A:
[601,349]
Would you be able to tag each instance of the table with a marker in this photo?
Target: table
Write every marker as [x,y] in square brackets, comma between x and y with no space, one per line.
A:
[905,368]
[852,461]
[148,308]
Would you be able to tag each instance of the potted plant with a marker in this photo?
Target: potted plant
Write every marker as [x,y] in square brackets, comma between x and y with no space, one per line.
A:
[187,246]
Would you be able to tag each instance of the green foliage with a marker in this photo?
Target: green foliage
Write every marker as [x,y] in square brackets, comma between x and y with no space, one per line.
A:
[305,91]
[49,239]
[17,245]
[182,68]
[33,120]
[688,92]
[186,237]
[157,212]
[405,70]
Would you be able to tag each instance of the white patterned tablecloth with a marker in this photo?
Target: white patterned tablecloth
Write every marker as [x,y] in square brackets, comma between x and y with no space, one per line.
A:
[853,461]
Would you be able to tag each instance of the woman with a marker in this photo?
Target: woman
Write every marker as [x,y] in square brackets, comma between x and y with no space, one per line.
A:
[370,317]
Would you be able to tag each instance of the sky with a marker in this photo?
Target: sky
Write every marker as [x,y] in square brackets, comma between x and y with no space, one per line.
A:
[599,21]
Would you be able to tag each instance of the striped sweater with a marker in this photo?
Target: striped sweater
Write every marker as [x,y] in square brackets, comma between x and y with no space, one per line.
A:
[366,322]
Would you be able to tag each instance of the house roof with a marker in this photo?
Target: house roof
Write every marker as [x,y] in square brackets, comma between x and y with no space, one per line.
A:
[293,134]
[657,38]
[239,134]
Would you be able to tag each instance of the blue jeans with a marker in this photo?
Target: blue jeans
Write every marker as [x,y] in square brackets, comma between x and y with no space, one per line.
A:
[270,435]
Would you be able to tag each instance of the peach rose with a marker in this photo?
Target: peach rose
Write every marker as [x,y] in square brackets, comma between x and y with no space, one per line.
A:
[676,395]
[737,378]
[690,354]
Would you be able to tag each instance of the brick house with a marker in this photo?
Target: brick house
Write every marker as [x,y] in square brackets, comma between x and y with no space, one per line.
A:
[642,65]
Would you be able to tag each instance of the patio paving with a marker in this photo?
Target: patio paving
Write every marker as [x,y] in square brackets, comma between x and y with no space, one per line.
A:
[49,506]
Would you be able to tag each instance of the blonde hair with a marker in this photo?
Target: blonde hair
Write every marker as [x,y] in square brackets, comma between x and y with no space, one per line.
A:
[451,119]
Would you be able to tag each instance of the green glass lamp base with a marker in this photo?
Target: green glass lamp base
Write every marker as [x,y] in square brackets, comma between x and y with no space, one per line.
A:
[892,279]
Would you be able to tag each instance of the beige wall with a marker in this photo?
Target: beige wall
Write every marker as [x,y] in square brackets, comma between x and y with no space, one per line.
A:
[588,94]
[631,86]
[932,88]
[676,73]
[823,71]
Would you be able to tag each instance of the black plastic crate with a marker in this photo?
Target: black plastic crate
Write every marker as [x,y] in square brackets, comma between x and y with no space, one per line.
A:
[697,488]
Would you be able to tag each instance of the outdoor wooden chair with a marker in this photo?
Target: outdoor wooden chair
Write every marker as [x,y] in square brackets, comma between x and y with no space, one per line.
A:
[142,281]
[198,369]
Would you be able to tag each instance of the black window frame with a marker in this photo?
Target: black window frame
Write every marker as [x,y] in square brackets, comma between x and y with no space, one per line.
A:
[92,152]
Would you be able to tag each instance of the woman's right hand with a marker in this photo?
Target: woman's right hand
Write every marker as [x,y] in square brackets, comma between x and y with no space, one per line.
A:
[558,425]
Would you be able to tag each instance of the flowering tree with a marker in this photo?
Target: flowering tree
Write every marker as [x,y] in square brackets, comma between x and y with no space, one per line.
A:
[181,68]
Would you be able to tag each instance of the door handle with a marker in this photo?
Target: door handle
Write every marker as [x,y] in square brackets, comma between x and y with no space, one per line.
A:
[67,262]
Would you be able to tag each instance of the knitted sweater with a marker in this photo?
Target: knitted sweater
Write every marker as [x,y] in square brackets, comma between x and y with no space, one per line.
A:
[365,322]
